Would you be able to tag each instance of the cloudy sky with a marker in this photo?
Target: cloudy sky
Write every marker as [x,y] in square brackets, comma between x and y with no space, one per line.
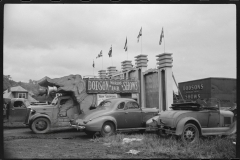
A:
[57,40]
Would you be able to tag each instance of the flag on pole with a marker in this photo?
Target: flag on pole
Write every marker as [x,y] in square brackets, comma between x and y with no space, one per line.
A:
[110,52]
[99,55]
[161,37]
[93,64]
[125,47]
[140,34]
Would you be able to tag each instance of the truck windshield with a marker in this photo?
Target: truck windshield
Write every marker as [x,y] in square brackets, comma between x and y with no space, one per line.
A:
[54,101]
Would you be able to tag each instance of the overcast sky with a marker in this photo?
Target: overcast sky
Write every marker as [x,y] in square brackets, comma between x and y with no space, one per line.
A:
[57,40]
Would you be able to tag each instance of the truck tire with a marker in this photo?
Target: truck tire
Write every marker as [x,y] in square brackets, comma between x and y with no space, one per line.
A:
[190,133]
[108,129]
[40,125]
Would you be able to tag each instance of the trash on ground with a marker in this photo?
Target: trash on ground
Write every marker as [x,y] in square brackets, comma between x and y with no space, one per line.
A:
[107,144]
[129,140]
[234,143]
[132,151]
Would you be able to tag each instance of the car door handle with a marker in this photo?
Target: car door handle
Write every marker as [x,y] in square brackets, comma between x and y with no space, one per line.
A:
[126,112]
[13,109]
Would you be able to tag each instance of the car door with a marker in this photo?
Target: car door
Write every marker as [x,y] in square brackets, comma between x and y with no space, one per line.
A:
[18,111]
[214,113]
[120,116]
[133,115]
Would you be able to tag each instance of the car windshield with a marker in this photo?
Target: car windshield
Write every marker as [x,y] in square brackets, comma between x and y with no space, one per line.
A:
[104,104]
[54,101]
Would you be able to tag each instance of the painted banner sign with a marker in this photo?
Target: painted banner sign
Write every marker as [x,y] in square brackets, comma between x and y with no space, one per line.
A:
[112,86]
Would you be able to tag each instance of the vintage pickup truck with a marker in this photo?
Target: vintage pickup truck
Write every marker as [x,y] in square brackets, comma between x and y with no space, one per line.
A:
[15,109]
[190,120]
[41,118]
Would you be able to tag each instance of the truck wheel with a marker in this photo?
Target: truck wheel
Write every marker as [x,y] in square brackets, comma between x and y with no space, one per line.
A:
[40,125]
[190,133]
[108,129]
[90,133]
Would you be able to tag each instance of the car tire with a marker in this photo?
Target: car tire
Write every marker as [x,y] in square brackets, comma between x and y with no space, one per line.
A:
[90,133]
[40,125]
[190,133]
[108,129]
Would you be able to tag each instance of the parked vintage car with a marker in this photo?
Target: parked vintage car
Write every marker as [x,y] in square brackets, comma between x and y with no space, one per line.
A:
[116,114]
[15,109]
[191,120]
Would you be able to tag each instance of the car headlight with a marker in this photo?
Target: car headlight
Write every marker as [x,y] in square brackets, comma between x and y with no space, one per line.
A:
[33,111]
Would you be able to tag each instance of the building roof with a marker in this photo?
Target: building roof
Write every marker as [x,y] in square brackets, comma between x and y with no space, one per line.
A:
[8,95]
[219,78]
[18,89]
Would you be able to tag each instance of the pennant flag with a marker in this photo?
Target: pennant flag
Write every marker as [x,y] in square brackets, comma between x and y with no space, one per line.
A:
[161,37]
[110,52]
[140,34]
[100,54]
[125,47]
[93,64]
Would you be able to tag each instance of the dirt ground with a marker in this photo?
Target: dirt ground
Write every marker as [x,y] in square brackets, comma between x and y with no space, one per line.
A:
[22,143]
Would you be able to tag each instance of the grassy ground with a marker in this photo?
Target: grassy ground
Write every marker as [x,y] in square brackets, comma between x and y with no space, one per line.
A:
[152,146]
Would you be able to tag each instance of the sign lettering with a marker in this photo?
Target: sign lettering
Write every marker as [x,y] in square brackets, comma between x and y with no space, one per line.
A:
[112,86]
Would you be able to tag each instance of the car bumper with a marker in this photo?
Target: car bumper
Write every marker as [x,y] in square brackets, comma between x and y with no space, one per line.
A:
[78,127]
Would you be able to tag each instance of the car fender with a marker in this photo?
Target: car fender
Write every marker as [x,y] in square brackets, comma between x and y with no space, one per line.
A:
[98,122]
[182,122]
[38,115]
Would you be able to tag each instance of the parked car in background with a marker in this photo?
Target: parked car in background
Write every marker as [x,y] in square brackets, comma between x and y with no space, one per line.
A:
[15,109]
[191,120]
[116,114]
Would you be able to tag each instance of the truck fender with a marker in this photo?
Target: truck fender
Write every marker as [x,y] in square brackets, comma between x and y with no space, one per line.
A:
[182,122]
[38,115]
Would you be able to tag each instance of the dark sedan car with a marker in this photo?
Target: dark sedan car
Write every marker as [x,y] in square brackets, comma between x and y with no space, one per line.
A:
[117,114]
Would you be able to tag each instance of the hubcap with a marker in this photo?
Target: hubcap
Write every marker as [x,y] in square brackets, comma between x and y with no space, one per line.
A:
[107,128]
[189,134]
[41,125]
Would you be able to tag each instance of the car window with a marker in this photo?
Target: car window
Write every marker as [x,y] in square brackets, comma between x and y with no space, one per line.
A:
[132,105]
[121,105]
[19,104]
[104,104]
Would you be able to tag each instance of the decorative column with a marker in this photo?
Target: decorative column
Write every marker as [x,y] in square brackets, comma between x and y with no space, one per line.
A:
[165,80]
[126,65]
[111,70]
[102,73]
[141,64]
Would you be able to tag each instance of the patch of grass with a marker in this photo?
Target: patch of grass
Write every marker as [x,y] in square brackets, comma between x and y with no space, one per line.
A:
[155,147]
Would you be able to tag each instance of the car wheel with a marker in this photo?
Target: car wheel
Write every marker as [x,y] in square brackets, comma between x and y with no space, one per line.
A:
[90,133]
[190,133]
[40,125]
[108,129]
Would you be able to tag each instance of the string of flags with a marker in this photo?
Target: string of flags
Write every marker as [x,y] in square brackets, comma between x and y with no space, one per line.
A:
[126,45]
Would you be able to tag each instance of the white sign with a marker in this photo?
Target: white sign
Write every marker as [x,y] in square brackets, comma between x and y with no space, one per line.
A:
[101,97]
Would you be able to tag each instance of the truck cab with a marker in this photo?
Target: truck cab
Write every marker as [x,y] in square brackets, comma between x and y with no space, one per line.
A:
[42,118]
